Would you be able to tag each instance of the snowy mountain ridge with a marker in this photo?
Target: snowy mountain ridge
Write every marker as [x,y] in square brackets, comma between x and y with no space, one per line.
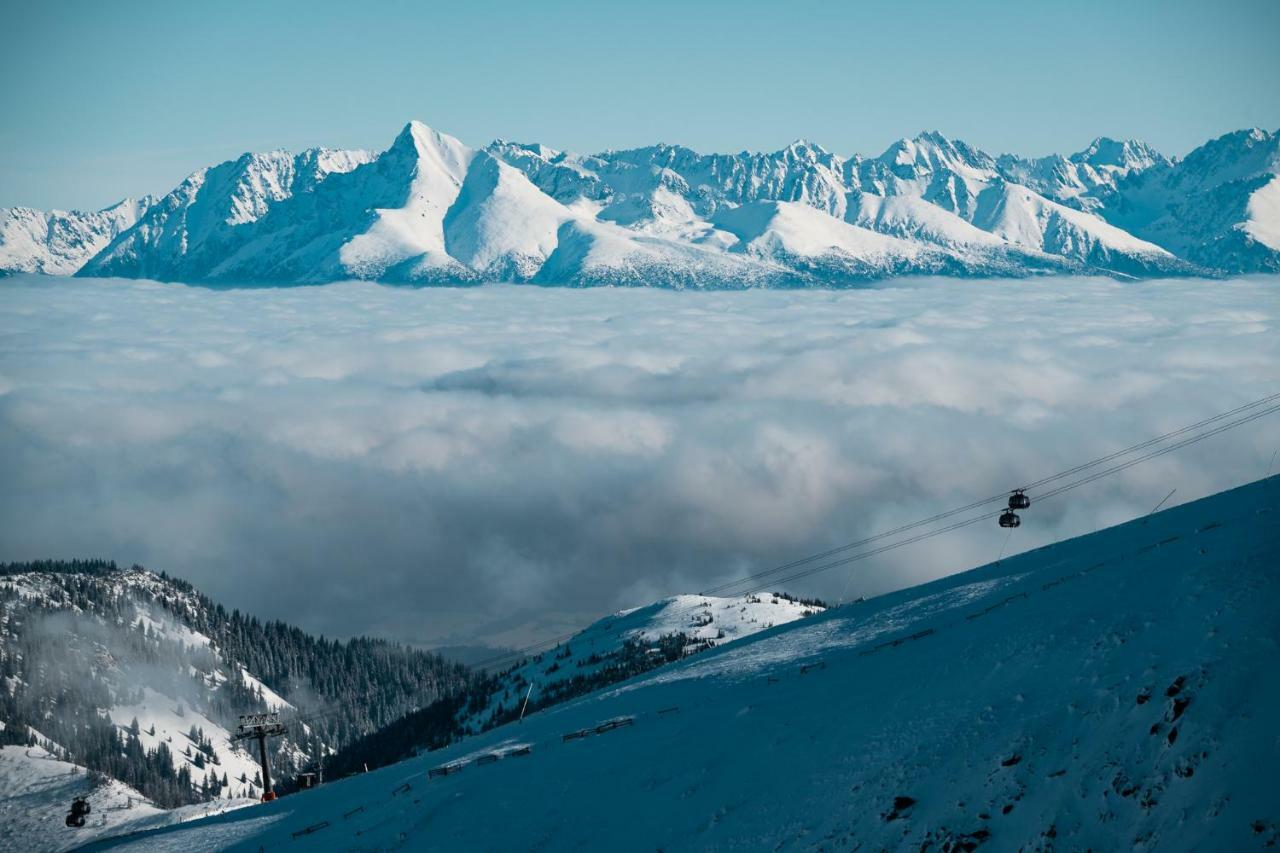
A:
[60,242]
[671,628]
[433,210]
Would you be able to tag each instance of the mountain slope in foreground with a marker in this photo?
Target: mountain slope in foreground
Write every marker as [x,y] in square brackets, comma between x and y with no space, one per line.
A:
[1109,691]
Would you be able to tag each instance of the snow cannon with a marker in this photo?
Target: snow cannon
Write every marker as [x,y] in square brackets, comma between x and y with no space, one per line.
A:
[79,811]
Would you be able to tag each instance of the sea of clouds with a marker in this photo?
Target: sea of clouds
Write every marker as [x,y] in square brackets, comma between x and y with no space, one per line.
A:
[504,463]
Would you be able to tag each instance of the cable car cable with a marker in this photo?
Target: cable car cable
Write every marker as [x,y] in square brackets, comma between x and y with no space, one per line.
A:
[516,654]
[1053,493]
[975,504]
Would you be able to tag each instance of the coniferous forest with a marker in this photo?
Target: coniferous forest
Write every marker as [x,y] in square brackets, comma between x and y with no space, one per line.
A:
[80,637]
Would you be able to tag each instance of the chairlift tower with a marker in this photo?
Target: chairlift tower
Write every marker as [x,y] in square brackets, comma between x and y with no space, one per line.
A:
[261,727]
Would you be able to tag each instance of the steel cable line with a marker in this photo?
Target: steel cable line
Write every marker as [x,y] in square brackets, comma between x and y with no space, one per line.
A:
[518,653]
[975,504]
[1151,441]
[1184,443]
[1052,493]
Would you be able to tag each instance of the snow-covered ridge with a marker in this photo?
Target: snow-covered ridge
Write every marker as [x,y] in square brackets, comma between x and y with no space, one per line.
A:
[431,209]
[59,242]
[1112,691]
[694,623]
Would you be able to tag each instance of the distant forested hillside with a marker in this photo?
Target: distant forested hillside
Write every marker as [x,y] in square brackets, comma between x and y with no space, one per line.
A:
[141,677]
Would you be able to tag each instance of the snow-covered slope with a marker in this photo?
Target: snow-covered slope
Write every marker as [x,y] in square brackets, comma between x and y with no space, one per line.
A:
[808,240]
[677,626]
[432,210]
[1113,691]
[38,791]
[1023,218]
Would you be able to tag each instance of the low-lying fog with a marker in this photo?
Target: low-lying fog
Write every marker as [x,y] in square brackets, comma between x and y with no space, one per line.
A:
[504,463]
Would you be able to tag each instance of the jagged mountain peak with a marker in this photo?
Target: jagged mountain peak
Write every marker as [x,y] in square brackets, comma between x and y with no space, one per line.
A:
[1237,143]
[804,150]
[421,142]
[931,151]
[1126,155]
[535,149]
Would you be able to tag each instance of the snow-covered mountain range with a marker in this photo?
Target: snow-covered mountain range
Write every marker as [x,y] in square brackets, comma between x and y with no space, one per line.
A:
[433,210]
[1106,692]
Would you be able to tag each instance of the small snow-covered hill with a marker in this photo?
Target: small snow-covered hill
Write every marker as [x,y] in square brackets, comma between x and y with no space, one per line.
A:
[49,633]
[431,209]
[668,629]
[1113,691]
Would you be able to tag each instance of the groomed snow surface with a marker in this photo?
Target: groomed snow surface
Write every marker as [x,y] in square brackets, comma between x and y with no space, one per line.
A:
[1112,691]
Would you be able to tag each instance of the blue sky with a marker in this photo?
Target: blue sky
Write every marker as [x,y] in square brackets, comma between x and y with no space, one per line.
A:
[103,100]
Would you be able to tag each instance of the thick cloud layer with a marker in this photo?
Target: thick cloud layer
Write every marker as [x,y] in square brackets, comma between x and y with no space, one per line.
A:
[500,464]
